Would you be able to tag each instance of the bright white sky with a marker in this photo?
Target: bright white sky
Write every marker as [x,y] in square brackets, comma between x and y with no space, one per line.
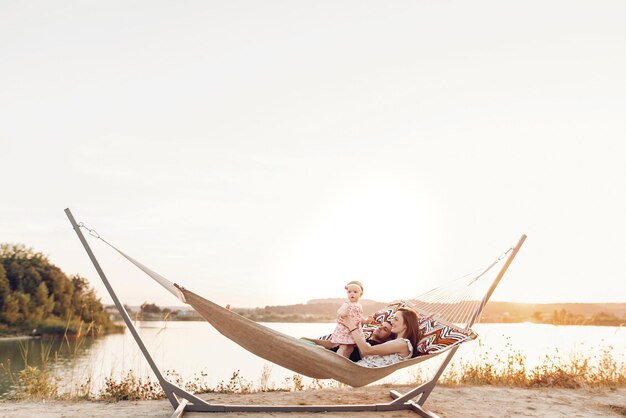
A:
[267,152]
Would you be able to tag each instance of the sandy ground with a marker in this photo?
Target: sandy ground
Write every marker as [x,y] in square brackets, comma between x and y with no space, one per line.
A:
[480,401]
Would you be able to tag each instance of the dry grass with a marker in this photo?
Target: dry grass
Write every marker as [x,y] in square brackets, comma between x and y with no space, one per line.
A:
[508,369]
[131,387]
[595,371]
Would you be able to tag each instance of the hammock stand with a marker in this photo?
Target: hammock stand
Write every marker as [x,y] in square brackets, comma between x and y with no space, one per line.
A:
[183,401]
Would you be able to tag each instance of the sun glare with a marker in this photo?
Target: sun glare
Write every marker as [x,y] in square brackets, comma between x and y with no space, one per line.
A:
[372,236]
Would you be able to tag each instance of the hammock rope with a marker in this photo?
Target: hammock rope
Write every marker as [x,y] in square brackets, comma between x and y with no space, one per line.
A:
[458,302]
[168,285]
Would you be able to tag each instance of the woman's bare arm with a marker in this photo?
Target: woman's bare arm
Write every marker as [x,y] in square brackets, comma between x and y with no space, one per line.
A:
[390,347]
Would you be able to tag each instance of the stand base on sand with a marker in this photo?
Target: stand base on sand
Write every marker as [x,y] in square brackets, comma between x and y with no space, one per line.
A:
[183,401]
[185,406]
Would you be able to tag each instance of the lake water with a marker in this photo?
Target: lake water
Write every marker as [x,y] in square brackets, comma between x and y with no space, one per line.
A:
[191,348]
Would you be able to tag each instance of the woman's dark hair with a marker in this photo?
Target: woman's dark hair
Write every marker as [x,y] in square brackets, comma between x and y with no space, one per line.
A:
[412,327]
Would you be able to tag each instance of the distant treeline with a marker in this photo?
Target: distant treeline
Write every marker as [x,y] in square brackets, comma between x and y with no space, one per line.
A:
[613,314]
[152,312]
[319,310]
[314,311]
[37,297]
[324,310]
[559,314]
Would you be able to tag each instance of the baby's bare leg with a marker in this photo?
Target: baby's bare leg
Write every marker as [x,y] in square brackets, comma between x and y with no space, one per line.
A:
[345,350]
[349,350]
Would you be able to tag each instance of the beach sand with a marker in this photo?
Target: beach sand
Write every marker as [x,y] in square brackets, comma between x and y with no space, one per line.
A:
[448,402]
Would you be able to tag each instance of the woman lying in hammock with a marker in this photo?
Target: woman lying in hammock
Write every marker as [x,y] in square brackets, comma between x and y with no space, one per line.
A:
[404,324]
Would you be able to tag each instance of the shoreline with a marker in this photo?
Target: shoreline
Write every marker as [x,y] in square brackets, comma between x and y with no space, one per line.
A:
[332,321]
[447,402]
[17,337]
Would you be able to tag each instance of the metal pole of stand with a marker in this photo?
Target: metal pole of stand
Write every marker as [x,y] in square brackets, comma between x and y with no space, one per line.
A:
[169,388]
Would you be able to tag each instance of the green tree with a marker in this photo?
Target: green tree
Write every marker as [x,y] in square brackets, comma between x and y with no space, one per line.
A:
[150,308]
[5,287]
[32,290]
[603,318]
[44,303]
[10,312]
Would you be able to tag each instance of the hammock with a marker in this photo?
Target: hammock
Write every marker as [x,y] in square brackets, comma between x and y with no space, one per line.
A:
[449,306]
[453,308]
[289,352]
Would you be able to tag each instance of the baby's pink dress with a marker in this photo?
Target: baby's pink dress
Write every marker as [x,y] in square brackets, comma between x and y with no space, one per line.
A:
[341,335]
